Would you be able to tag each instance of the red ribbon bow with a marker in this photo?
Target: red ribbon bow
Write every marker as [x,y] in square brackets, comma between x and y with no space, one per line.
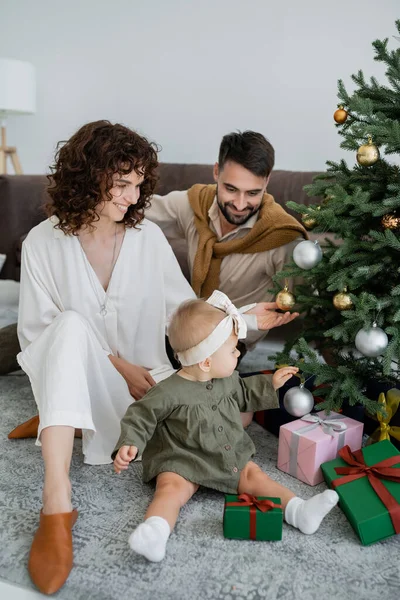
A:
[254,503]
[381,470]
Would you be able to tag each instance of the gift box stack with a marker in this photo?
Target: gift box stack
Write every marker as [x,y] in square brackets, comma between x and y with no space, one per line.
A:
[327,446]
[322,446]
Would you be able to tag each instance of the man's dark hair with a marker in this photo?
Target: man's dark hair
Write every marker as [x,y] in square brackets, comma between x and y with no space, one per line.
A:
[249,149]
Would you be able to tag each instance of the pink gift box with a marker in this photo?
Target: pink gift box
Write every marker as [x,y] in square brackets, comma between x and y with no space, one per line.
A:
[314,439]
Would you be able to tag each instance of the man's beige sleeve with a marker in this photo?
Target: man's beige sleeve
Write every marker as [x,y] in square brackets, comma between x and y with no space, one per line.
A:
[172,213]
[282,256]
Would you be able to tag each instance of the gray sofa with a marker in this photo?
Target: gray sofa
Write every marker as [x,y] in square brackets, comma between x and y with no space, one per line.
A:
[21,207]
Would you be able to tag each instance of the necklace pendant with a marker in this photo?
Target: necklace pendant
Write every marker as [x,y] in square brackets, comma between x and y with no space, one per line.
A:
[103,310]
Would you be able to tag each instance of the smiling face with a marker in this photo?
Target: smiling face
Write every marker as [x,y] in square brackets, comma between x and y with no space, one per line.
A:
[125,192]
[239,192]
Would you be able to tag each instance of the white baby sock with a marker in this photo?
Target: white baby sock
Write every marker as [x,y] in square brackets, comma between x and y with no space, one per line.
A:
[307,515]
[150,538]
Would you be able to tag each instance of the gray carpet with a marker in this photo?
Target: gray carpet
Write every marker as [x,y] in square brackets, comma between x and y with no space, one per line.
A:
[200,563]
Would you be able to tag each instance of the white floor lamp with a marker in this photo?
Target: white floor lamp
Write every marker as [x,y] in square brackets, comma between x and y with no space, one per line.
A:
[17,97]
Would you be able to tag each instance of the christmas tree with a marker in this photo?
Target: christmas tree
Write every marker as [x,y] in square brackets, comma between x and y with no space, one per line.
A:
[350,293]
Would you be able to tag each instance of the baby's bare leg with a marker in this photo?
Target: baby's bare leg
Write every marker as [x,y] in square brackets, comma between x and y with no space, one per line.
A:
[150,538]
[247,418]
[306,515]
[172,492]
[257,483]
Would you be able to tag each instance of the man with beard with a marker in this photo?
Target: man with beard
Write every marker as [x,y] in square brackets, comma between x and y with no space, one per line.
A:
[237,237]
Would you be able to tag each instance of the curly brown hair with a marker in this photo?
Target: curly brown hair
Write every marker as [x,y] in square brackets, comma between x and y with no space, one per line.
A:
[82,175]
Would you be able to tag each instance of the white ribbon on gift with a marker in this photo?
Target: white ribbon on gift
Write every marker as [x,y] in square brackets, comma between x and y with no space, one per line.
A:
[232,322]
[330,426]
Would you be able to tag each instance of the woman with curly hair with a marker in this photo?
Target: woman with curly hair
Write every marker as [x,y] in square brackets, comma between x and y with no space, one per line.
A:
[98,282]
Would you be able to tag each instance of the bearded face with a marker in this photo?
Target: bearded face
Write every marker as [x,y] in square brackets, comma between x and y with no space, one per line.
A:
[239,192]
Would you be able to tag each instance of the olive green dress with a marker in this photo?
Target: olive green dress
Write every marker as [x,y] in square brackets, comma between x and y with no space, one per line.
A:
[194,428]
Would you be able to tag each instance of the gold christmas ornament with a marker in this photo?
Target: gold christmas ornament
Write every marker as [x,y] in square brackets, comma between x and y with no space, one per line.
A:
[285,299]
[391,222]
[367,154]
[342,300]
[308,221]
[340,115]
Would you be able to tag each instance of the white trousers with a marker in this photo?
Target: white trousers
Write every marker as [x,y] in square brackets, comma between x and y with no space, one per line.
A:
[74,383]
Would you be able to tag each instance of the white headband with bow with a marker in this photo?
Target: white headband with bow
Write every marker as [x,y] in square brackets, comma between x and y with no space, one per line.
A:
[233,321]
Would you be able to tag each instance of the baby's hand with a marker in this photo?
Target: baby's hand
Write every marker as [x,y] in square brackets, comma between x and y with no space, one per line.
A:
[124,457]
[281,376]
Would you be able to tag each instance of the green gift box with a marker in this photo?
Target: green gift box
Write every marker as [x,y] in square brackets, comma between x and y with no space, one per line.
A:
[252,518]
[368,484]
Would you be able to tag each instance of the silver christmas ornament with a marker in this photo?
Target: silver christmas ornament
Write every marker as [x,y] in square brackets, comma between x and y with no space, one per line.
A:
[307,254]
[298,401]
[371,341]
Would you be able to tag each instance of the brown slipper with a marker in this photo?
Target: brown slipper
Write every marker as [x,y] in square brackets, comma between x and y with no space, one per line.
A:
[51,555]
[29,429]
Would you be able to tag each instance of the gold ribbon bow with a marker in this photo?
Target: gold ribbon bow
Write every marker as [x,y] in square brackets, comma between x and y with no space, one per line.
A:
[389,405]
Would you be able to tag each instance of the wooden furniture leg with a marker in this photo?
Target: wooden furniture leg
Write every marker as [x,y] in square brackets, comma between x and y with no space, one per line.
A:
[15,161]
[3,164]
[3,156]
[8,151]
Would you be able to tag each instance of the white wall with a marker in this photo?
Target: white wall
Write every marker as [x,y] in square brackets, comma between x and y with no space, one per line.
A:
[184,73]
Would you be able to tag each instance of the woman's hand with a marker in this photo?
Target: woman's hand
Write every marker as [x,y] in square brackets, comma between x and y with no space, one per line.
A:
[138,378]
[124,457]
[281,376]
[267,317]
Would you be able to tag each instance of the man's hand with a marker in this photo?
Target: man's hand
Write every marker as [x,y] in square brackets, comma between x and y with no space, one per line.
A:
[124,457]
[267,317]
[138,378]
[281,376]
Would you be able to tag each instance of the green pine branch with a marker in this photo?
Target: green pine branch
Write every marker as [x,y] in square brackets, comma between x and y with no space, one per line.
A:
[358,252]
